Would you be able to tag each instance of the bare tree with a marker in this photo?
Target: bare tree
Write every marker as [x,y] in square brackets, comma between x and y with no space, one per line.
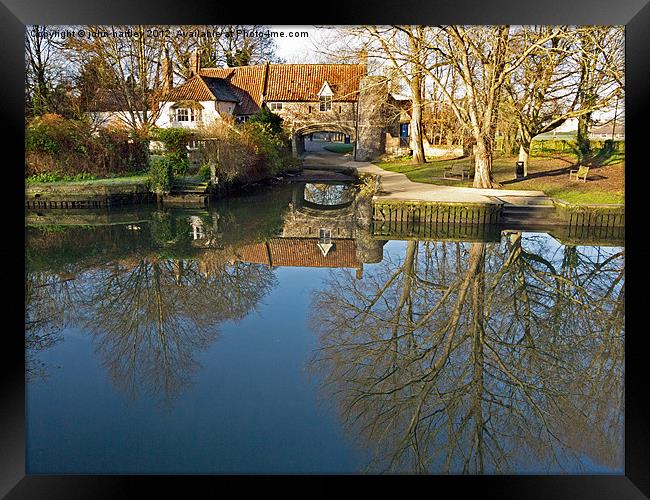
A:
[132,65]
[601,61]
[483,58]
[46,75]
[236,45]
[571,75]
[401,51]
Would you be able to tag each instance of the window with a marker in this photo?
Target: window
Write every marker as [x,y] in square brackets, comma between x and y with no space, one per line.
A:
[326,103]
[242,119]
[185,115]
[325,236]
[275,106]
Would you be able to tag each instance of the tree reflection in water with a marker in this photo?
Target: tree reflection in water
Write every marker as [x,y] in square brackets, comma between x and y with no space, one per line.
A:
[49,298]
[150,313]
[151,317]
[479,358]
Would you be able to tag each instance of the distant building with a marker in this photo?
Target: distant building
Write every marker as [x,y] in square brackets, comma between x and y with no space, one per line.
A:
[611,130]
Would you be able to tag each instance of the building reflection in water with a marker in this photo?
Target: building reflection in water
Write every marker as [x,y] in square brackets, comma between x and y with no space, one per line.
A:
[154,297]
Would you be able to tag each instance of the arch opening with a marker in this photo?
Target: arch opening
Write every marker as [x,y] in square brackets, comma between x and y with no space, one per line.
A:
[314,137]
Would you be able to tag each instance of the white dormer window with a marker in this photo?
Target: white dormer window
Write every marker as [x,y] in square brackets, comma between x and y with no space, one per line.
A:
[326,103]
[325,96]
[185,115]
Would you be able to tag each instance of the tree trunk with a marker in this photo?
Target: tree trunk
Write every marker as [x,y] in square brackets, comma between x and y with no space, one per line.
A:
[584,147]
[477,251]
[483,166]
[417,144]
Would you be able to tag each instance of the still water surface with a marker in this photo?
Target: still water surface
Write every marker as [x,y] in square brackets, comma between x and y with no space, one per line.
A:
[261,336]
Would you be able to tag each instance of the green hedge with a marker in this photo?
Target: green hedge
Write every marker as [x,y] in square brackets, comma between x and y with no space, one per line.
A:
[553,145]
[161,174]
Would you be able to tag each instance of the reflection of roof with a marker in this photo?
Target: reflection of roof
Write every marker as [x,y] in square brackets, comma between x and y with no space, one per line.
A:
[300,252]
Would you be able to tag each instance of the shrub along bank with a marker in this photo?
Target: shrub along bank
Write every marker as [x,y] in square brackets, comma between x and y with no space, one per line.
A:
[58,148]
[64,150]
[248,153]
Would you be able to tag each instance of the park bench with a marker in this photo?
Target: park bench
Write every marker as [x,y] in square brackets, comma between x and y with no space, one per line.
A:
[455,171]
[581,173]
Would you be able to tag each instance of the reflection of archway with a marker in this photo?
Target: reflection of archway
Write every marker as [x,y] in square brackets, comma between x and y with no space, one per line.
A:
[298,136]
[324,196]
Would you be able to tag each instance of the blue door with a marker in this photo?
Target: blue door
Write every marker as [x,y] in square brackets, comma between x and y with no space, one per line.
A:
[404,134]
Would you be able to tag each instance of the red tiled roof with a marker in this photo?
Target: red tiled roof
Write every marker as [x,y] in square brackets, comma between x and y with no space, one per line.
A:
[289,82]
[302,82]
[247,83]
[200,88]
[300,252]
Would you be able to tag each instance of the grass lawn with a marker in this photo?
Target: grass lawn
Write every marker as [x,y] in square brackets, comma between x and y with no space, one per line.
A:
[547,172]
[339,148]
[114,181]
[115,185]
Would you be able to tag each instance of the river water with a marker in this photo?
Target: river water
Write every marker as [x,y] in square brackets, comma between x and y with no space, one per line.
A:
[283,333]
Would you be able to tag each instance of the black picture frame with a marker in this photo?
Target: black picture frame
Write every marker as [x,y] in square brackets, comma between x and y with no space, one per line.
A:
[635,14]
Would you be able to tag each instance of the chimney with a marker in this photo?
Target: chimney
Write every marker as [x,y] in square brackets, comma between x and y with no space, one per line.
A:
[167,72]
[195,63]
[265,83]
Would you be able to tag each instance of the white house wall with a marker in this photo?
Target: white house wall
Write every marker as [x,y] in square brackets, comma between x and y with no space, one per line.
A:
[209,114]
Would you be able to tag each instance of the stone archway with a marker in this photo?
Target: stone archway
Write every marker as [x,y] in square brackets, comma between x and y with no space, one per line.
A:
[299,134]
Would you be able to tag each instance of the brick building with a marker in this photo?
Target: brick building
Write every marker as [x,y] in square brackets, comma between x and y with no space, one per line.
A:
[339,98]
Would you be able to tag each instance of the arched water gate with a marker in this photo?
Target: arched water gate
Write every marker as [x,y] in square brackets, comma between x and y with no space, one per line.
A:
[299,134]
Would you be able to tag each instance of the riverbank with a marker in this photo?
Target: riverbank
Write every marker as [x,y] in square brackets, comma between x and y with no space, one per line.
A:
[89,194]
[547,172]
[395,197]
[133,190]
[398,197]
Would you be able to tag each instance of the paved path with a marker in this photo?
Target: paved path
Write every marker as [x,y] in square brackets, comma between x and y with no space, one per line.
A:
[396,186]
